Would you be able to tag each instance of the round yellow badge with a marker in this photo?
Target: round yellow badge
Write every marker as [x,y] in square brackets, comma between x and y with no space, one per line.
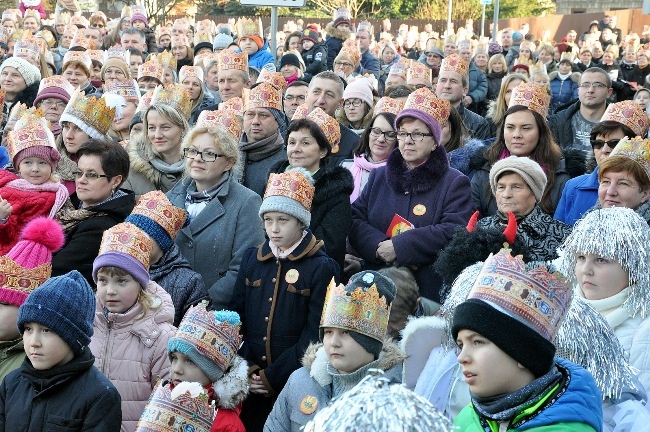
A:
[292,276]
[308,405]
[419,210]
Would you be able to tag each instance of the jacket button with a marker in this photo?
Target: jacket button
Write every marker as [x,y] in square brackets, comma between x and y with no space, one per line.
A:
[190,245]
[264,358]
[270,299]
[273,280]
[264,338]
[266,319]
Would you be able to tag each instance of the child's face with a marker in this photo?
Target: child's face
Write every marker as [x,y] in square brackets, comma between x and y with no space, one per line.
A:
[282,229]
[600,278]
[343,352]
[248,46]
[8,318]
[184,369]
[487,369]
[44,348]
[35,170]
[117,293]
[307,44]
[139,24]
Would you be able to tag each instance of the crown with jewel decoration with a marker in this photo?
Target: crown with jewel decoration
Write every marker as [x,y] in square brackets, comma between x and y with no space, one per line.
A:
[264,95]
[165,58]
[190,72]
[426,101]
[128,89]
[117,52]
[418,71]
[151,69]
[175,96]
[33,13]
[145,101]
[532,96]
[81,58]
[636,149]
[27,47]
[388,105]
[222,119]
[229,59]
[31,130]
[630,114]
[274,78]
[79,40]
[455,63]
[248,27]
[236,104]
[90,114]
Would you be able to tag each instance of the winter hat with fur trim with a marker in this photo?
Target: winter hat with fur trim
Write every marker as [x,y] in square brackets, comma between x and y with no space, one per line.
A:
[528,169]
[360,88]
[28,71]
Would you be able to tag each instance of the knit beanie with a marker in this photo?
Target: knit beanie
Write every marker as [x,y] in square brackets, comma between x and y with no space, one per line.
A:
[137,119]
[55,87]
[222,41]
[360,88]
[28,71]
[28,264]
[290,59]
[158,218]
[309,35]
[362,307]
[48,154]
[139,16]
[494,48]
[209,338]
[341,20]
[528,169]
[257,39]
[118,63]
[64,304]
[290,192]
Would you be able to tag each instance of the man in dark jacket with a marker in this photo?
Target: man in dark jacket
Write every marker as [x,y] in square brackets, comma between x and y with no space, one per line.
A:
[369,63]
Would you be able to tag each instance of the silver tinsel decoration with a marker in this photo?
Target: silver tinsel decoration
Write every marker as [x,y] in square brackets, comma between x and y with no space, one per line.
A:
[618,234]
[376,405]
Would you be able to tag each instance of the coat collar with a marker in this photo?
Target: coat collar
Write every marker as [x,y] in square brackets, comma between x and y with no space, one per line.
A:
[420,179]
[307,247]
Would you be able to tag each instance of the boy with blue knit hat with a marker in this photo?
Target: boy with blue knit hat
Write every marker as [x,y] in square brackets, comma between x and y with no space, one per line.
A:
[58,387]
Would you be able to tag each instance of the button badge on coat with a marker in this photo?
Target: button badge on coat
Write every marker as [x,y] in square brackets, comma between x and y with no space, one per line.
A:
[419,210]
[308,405]
[292,276]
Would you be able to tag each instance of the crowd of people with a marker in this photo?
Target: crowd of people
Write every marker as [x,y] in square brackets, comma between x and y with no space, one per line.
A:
[199,234]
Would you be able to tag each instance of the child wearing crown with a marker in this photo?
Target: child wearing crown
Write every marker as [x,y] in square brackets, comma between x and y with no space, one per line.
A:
[351,345]
[286,276]
[34,191]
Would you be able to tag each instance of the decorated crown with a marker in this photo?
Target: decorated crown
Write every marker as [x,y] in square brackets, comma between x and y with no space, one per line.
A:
[532,96]
[636,149]
[70,30]
[536,297]
[538,68]
[136,9]
[126,88]
[32,13]
[202,36]
[455,63]
[47,36]
[264,95]
[418,71]
[165,58]
[177,410]
[180,40]
[145,101]
[30,131]
[92,114]
[341,12]
[156,207]
[3,95]
[190,72]
[326,123]
[127,239]
[248,27]
[79,40]
[229,59]
[117,52]
[150,69]
[182,24]
[176,96]
[293,185]
[160,31]
[235,105]
[62,18]
[426,101]
[97,55]
[352,52]
[630,114]
[9,15]
[274,78]
[400,67]
[28,48]
[388,105]
[56,81]
[301,112]
[225,120]
[16,112]
[360,310]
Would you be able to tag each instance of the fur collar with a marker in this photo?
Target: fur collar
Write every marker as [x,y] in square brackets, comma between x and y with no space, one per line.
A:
[419,179]
[337,33]
[315,360]
[232,387]
[575,76]
[331,182]
[140,154]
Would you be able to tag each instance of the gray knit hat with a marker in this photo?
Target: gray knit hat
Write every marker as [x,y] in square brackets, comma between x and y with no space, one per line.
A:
[528,169]
[290,192]
[222,41]
[28,71]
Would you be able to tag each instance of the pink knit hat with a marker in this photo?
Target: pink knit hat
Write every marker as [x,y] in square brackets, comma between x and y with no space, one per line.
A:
[29,263]
[361,88]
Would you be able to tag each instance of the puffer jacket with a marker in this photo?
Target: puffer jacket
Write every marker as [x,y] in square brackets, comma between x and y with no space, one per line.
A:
[132,351]
[563,91]
[478,87]
[12,354]
[262,57]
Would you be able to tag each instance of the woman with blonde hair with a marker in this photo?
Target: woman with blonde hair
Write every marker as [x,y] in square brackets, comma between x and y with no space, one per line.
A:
[498,106]
[497,69]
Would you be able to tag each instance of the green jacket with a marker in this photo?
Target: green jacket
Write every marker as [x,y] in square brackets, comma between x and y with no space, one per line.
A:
[12,355]
[468,421]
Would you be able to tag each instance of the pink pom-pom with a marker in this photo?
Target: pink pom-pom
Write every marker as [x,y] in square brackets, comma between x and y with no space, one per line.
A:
[45,231]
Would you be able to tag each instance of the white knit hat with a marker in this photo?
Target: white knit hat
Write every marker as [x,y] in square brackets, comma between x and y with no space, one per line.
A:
[29,72]
[528,169]
[360,88]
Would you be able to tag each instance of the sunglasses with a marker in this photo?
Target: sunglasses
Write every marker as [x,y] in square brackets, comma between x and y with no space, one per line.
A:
[598,144]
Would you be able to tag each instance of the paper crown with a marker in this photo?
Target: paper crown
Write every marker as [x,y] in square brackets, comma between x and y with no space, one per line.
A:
[359,310]
[92,114]
[30,131]
[636,149]
[400,68]
[136,9]
[202,37]
[160,31]
[536,297]
[176,96]
[62,18]
[47,36]
[630,114]
[3,95]
[532,96]
[264,95]
[126,88]
[181,24]
[165,58]
[235,105]
[388,105]
[117,52]
[126,238]
[326,123]
[81,57]
[27,48]
[538,68]
[225,120]
[351,52]
[190,72]
[154,211]
[248,27]
[229,59]
[9,15]
[33,13]
[79,40]
[177,410]
[426,101]
[145,101]
[341,12]
[180,40]
[455,63]
[56,81]
[97,55]
[150,69]
[16,112]
[293,185]
[418,71]
[274,78]
[70,30]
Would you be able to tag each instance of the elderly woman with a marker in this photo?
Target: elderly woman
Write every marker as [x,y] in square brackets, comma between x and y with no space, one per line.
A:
[622,119]
[409,209]
[518,184]
[53,95]
[97,205]
[223,213]
[358,104]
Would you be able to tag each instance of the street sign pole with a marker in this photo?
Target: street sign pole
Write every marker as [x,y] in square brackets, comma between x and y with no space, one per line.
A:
[495,26]
[483,22]
[274,32]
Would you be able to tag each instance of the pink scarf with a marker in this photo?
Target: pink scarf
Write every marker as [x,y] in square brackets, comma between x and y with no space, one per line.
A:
[292,78]
[361,168]
[60,190]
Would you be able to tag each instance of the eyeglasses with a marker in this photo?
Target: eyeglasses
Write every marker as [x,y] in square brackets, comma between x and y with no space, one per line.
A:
[352,102]
[388,135]
[415,136]
[97,25]
[90,175]
[343,64]
[598,144]
[291,98]
[207,156]
[595,85]
[47,103]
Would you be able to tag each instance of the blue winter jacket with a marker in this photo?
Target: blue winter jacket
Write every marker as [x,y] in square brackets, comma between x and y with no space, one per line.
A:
[4,157]
[563,91]
[578,196]
[261,57]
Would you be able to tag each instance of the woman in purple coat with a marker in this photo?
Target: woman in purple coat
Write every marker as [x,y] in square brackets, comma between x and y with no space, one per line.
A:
[410,208]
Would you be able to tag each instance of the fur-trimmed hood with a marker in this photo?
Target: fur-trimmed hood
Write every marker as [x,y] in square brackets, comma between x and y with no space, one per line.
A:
[419,179]
[315,360]
[232,388]
[337,33]
[140,153]
[331,182]
[575,76]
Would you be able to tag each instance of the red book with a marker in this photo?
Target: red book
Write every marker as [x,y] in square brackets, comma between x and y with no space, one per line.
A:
[398,225]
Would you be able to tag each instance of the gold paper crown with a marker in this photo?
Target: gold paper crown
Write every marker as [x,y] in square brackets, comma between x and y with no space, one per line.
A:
[165,58]
[229,59]
[293,185]
[185,412]
[326,123]
[630,114]
[62,18]
[30,131]
[264,95]
[426,101]
[117,52]
[182,24]
[32,13]
[532,96]
[15,277]
[400,68]
[203,36]
[56,81]
[636,149]
[81,57]
[362,311]
[89,113]
[224,120]
[235,105]
[127,88]
[274,78]
[70,30]
[180,40]
[47,36]
[388,105]
[418,71]
[16,112]
[301,112]
[455,63]
[28,48]
[537,297]
[156,207]
[351,52]
[127,239]
[482,48]
[79,20]
[538,68]
[190,72]
[150,69]
[248,27]
[176,96]
[145,101]
[160,31]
